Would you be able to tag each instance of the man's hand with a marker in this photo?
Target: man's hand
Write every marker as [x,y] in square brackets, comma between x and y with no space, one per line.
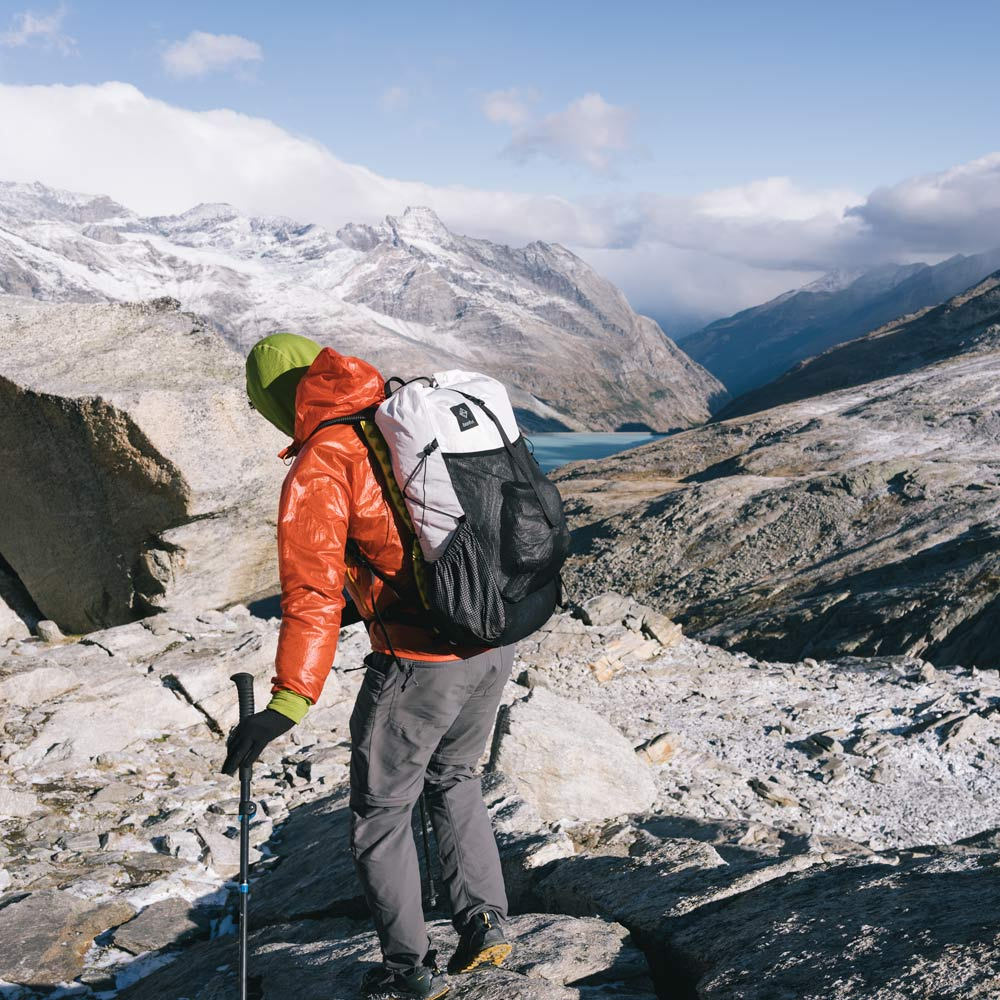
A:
[248,739]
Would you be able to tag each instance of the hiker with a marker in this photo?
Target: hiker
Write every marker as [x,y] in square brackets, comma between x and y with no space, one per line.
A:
[425,707]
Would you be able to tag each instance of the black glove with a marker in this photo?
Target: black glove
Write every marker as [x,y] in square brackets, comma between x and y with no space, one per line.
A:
[248,739]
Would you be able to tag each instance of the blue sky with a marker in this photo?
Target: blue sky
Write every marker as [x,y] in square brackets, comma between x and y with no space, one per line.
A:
[684,98]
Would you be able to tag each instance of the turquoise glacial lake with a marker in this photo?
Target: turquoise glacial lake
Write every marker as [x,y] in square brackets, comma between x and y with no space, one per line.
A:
[553,450]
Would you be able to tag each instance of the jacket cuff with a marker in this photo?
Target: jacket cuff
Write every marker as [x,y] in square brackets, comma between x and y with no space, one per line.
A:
[289,704]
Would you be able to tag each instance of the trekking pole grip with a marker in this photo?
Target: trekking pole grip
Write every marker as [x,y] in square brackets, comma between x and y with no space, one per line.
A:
[244,691]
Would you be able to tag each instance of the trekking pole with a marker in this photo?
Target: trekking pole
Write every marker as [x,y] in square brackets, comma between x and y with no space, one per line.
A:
[244,691]
[431,894]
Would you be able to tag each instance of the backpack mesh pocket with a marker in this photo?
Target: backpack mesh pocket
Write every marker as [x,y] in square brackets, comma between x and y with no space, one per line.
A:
[462,588]
[533,549]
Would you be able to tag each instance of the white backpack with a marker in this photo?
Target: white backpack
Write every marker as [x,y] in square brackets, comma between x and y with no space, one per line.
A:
[490,527]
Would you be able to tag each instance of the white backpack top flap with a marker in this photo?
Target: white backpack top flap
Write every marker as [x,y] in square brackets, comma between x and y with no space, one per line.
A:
[421,423]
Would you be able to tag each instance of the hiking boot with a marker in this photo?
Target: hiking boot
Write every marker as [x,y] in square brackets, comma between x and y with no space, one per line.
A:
[425,982]
[481,942]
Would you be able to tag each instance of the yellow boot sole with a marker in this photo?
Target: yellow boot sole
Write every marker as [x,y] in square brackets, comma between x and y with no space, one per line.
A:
[494,955]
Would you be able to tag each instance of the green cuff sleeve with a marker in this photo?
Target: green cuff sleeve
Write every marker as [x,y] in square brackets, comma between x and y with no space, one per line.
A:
[289,704]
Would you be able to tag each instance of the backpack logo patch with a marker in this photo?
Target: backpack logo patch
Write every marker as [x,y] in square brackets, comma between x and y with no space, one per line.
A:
[464,416]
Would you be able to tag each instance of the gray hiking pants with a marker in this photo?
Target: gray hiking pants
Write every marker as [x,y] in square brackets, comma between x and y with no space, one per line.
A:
[424,725]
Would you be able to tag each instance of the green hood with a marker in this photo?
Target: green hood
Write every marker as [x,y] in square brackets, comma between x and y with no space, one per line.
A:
[274,367]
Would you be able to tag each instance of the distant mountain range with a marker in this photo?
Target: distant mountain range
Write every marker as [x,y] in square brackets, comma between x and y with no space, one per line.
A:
[752,347]
[408,294]
[959,326]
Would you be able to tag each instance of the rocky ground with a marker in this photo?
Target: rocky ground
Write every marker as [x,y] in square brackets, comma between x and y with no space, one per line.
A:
[674,820]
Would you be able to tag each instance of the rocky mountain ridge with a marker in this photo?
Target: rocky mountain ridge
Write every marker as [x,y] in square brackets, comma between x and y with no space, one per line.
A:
[408,295]
[749,349]
[965,324]
[860,521]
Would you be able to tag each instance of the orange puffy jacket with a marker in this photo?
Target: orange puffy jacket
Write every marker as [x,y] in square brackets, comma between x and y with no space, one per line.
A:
[332,492]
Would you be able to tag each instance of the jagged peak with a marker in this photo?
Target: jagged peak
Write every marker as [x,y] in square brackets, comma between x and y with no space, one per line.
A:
[418,221]
[205,212]
[833,281]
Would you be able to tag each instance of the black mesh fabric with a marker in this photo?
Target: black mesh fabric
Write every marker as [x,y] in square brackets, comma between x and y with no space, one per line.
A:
[520,535]
[463,589]
[535,545]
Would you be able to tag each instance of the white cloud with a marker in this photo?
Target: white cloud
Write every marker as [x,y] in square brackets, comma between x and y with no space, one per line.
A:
[507,107]
[589,131]
[394,99]
[202,53]
[716,252]
[772,198]
[934,213]
[28,27]
[157,158]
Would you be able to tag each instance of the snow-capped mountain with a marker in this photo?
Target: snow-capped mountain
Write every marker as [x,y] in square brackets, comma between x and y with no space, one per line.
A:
[408,294]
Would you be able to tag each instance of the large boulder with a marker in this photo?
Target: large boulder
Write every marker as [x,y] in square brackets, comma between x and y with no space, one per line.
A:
[568,762]
[136,478]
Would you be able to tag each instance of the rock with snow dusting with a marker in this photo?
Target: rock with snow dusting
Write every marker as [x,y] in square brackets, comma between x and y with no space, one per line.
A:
[862,521]
[725,888]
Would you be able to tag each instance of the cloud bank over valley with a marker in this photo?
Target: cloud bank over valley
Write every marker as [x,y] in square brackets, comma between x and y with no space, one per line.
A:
[702,255]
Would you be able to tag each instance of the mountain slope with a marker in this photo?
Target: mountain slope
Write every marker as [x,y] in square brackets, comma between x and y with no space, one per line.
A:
[956,327]
[752,347]
[408,294]
[861,521]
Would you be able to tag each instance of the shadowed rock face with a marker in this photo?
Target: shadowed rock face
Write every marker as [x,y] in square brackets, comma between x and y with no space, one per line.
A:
[861,521]
[135,477]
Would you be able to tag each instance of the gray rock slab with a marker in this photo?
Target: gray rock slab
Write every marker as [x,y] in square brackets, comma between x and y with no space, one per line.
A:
[45,935]
[554,958]
[25,683]
[113,712]
[201,670]
[315,875]
[922,930]
[168,922]
[646,893]
[15,802]
[134,642]
[568,762]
